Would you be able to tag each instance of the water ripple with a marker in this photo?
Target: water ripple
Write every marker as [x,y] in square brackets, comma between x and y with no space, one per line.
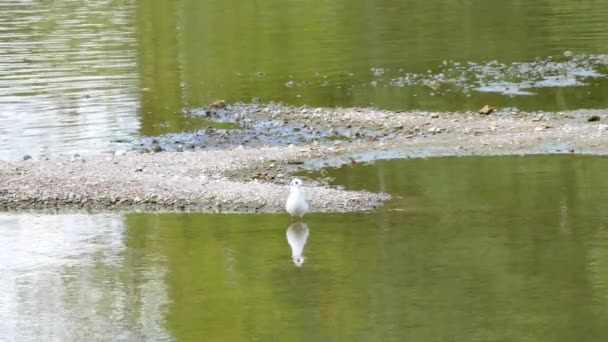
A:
[68,76]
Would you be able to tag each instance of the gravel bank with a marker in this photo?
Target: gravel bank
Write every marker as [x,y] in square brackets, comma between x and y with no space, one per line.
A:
[250,168]
[164,181]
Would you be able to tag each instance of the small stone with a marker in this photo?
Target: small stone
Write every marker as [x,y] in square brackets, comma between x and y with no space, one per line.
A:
[27,157]
[156,148]
[567,54]
[593,118]
[486,110]
[434,116]
[218,104]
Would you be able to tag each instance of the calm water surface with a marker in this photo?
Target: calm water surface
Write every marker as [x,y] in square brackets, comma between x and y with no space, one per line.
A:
[471,249]
[77,76]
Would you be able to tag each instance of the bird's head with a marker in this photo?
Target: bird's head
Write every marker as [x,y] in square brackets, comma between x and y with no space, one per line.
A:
[296,182]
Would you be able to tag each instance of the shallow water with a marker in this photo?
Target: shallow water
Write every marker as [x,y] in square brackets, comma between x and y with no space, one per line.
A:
[489,249]
[79,77]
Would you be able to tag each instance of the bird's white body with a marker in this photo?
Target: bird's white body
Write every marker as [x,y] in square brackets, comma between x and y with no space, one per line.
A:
[297,235]
[296,204]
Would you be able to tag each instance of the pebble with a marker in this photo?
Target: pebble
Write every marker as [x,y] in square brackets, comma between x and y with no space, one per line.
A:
[538,118]
[435,130]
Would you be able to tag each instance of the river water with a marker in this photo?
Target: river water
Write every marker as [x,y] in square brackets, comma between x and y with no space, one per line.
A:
[469,249]
[76,77]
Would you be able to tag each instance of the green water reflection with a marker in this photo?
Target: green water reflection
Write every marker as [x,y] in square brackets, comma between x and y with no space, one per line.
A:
[489,249]
[239,51]
[74,77]
[470,249]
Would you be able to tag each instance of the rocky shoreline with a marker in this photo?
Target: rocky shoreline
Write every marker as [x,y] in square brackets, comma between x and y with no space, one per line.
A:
[247,169]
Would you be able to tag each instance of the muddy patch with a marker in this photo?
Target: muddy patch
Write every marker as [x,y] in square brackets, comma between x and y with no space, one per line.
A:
[254,126]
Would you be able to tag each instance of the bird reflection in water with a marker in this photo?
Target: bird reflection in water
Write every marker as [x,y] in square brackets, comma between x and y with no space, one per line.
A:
[297,234]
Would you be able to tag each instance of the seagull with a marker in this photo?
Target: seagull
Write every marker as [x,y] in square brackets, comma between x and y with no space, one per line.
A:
[297,234]
[296,204]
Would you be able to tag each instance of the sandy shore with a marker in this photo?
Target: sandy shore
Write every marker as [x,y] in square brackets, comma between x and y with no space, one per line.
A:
[249,174]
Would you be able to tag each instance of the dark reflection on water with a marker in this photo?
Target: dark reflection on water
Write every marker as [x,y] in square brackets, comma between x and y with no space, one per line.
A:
[76,75]
[483,249]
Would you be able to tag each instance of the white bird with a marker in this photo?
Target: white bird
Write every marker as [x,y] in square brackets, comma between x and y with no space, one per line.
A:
[296,204]
[297,235]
